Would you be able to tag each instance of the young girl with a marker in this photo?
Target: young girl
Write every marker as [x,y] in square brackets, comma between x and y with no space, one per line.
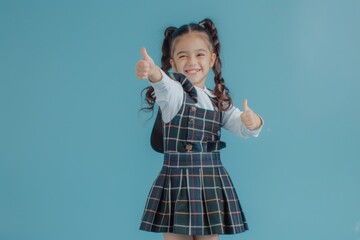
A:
[193,197]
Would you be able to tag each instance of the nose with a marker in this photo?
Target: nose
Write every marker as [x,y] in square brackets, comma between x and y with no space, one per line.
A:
[191,61]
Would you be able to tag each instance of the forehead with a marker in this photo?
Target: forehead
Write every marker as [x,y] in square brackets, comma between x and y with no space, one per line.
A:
[190,41]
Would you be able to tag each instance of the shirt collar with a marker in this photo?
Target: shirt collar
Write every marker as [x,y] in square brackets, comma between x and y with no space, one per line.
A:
[206,90]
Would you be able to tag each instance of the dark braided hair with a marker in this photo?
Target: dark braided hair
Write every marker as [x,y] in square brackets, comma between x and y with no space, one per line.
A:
[206,26]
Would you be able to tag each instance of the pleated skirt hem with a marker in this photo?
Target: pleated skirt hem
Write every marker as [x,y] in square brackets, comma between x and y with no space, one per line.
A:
[220,230]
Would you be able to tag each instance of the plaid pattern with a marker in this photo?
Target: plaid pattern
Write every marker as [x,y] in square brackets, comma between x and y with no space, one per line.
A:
[193,194]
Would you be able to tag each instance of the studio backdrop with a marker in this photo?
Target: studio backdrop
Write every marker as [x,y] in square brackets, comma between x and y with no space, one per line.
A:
[75,155]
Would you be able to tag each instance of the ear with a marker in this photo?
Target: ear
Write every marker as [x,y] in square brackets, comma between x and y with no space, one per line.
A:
[213,59]
[173,65]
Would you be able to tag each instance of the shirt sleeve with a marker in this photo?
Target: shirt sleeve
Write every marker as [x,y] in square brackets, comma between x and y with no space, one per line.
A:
[231,122]
[169,96]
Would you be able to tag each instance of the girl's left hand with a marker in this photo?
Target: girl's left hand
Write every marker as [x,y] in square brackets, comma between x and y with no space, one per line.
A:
[250,119]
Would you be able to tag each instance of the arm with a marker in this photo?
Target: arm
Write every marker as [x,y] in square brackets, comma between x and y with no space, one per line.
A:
[169,93]
[169,96]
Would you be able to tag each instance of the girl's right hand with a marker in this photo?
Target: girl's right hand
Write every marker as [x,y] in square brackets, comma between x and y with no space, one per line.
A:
[146,68]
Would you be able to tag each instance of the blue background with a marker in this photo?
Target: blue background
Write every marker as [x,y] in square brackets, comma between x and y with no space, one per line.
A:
[75,159]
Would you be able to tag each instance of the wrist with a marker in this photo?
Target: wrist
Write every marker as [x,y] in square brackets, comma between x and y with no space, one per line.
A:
[259,122]
[156,76]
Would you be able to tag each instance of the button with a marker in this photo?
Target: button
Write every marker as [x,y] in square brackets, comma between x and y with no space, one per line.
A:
[193,109]
[191,121]
[188,147]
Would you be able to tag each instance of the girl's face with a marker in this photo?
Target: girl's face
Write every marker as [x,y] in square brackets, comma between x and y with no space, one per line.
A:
[192,56]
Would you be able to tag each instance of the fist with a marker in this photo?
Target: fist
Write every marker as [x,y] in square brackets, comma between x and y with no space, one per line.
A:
[250,119]
[145,67]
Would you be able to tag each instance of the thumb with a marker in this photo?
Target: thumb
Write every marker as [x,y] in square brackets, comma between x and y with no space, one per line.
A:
[146,57]
[245,106]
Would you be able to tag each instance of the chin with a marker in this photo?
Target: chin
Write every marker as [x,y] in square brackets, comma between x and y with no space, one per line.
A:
[193,81]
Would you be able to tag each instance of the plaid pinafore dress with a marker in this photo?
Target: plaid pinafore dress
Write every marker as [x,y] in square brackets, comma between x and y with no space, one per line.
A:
[193,193]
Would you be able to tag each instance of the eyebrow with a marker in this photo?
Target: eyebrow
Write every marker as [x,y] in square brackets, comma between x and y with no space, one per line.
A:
[196,50]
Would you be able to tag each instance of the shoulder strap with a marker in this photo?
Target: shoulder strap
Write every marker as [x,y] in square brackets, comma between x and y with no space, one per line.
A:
[186,85]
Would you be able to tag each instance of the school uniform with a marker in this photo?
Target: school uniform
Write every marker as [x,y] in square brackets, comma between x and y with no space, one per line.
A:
[193,194]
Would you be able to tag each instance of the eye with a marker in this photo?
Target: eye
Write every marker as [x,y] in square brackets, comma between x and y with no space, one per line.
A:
[200,54]
[182,56]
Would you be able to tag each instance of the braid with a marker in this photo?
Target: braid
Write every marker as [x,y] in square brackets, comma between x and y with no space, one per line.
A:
[165,66]
[221,92]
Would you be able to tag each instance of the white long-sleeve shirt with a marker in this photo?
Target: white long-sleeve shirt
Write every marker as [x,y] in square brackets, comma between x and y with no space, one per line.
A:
[169,96]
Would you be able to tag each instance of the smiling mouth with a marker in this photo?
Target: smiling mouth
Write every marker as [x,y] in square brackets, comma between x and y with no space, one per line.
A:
[192,71]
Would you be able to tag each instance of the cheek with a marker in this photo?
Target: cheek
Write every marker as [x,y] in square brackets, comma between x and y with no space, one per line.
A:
[208,63]
[180,64]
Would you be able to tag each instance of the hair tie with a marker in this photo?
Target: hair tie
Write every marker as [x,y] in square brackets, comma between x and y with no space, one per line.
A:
[169,31]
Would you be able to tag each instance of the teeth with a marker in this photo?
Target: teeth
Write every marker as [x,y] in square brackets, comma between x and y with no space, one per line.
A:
[192,71]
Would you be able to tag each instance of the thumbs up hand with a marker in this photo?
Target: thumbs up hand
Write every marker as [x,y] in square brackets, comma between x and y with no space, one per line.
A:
[146,68]
[250,119]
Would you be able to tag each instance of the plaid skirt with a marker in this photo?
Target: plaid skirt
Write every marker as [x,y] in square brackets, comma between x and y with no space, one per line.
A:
[193,195]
